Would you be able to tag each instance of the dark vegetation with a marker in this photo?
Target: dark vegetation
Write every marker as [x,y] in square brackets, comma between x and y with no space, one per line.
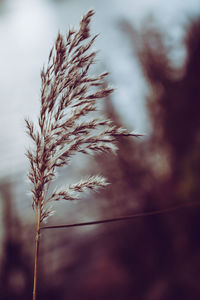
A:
[152,258]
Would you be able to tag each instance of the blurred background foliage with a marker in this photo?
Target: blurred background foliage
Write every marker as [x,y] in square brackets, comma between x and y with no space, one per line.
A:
[150,258]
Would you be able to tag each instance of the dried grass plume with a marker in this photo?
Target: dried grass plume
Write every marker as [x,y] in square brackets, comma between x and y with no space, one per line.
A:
[65,124]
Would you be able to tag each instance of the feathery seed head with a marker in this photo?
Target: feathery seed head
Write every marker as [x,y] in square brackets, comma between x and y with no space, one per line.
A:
[66,125]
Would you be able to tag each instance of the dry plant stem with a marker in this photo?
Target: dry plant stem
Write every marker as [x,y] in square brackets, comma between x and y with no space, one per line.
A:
[37,244]
[68,123]
[126,218]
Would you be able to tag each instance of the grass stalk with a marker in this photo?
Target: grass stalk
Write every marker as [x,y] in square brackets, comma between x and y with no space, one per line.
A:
[67,124]
[129,217]
[37,244]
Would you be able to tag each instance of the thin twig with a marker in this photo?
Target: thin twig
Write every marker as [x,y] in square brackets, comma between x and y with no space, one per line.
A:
[124,218]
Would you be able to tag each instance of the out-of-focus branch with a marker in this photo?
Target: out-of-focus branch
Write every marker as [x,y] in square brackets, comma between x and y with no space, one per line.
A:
[125,218]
